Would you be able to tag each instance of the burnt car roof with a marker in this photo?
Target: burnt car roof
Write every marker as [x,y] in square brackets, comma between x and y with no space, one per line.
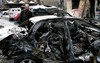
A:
[40,18]
[79,21]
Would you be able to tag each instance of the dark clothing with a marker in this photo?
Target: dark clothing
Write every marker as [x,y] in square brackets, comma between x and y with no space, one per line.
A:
[24,17]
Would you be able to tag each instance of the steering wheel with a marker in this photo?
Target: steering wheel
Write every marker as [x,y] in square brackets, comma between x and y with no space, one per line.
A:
[55,38]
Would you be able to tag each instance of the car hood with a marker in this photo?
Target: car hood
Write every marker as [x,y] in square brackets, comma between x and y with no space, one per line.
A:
[39,18]
[6,31]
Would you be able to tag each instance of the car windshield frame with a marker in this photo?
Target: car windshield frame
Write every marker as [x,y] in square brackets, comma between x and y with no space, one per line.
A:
[35,26]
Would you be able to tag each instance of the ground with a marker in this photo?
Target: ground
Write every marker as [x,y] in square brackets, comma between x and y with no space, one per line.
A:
[4,20]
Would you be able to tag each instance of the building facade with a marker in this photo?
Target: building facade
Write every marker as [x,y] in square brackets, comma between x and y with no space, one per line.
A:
[6,3]
[1,3]
[17,3]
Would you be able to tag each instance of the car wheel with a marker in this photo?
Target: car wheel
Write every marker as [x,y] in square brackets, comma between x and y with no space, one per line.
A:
[5,13]
[26,58]
[11,19]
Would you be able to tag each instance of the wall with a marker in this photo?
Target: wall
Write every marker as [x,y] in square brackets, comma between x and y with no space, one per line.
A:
[1,3]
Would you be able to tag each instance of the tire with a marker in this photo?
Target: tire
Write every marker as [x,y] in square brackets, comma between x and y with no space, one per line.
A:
[5,13]
[26,58]
[11,19]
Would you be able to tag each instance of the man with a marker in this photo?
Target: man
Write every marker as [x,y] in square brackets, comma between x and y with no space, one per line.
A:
[24,17]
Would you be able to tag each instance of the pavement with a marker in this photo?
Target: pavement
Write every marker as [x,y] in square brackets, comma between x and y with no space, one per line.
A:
[4,20]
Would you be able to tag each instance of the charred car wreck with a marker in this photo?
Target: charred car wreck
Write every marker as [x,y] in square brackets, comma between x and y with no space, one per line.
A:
[54,39]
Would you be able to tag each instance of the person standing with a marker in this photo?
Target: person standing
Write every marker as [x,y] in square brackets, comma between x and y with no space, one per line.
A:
[24,17]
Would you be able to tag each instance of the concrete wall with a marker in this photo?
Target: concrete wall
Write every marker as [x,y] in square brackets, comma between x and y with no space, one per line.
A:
[0,3]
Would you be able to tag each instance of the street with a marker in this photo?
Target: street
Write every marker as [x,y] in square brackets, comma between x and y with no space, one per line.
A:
[4,20]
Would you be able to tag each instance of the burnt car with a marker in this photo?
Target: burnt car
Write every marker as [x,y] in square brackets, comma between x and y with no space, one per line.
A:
[54,39]
[40,10]
[61,39]
[12,46]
